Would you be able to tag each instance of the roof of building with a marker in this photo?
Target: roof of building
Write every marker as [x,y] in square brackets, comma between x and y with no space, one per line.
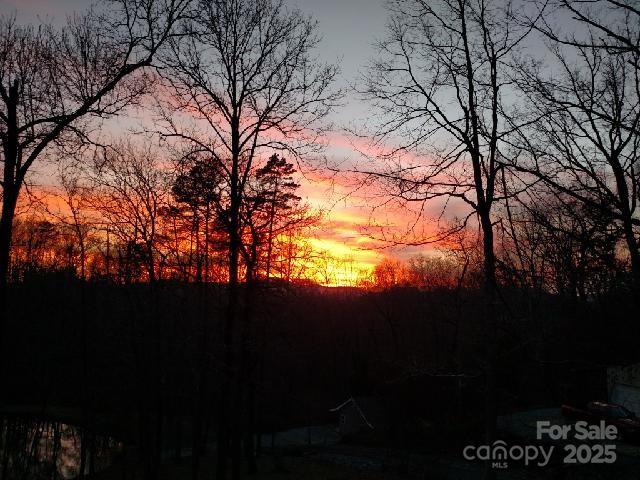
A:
[370,409]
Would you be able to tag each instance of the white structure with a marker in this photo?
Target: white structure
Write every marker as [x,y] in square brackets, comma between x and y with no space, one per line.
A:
[623,386]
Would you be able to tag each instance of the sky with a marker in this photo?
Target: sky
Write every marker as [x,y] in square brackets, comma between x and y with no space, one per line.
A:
[348,29]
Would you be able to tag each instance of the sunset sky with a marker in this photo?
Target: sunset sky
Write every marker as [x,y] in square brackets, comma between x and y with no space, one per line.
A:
[349,29]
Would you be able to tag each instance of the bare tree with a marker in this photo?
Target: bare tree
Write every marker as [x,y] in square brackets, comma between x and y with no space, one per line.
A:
[439,82]
[293,254]
[130,189]
[53,80]
[432,271]
[556,244]
[72,211]
[248,81]
[613,25]
[584,142]
[389,273]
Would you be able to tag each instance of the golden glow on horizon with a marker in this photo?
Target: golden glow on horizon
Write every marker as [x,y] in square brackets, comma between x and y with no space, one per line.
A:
[336,263]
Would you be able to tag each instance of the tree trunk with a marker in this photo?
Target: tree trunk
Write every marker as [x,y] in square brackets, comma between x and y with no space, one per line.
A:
[272,213]
[489,293]
[245,385]
[634,255]
[627,222]
[9,201]
[12,180]
[226,424]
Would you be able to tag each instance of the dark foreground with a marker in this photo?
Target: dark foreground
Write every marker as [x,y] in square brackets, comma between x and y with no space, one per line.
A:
[143,364]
